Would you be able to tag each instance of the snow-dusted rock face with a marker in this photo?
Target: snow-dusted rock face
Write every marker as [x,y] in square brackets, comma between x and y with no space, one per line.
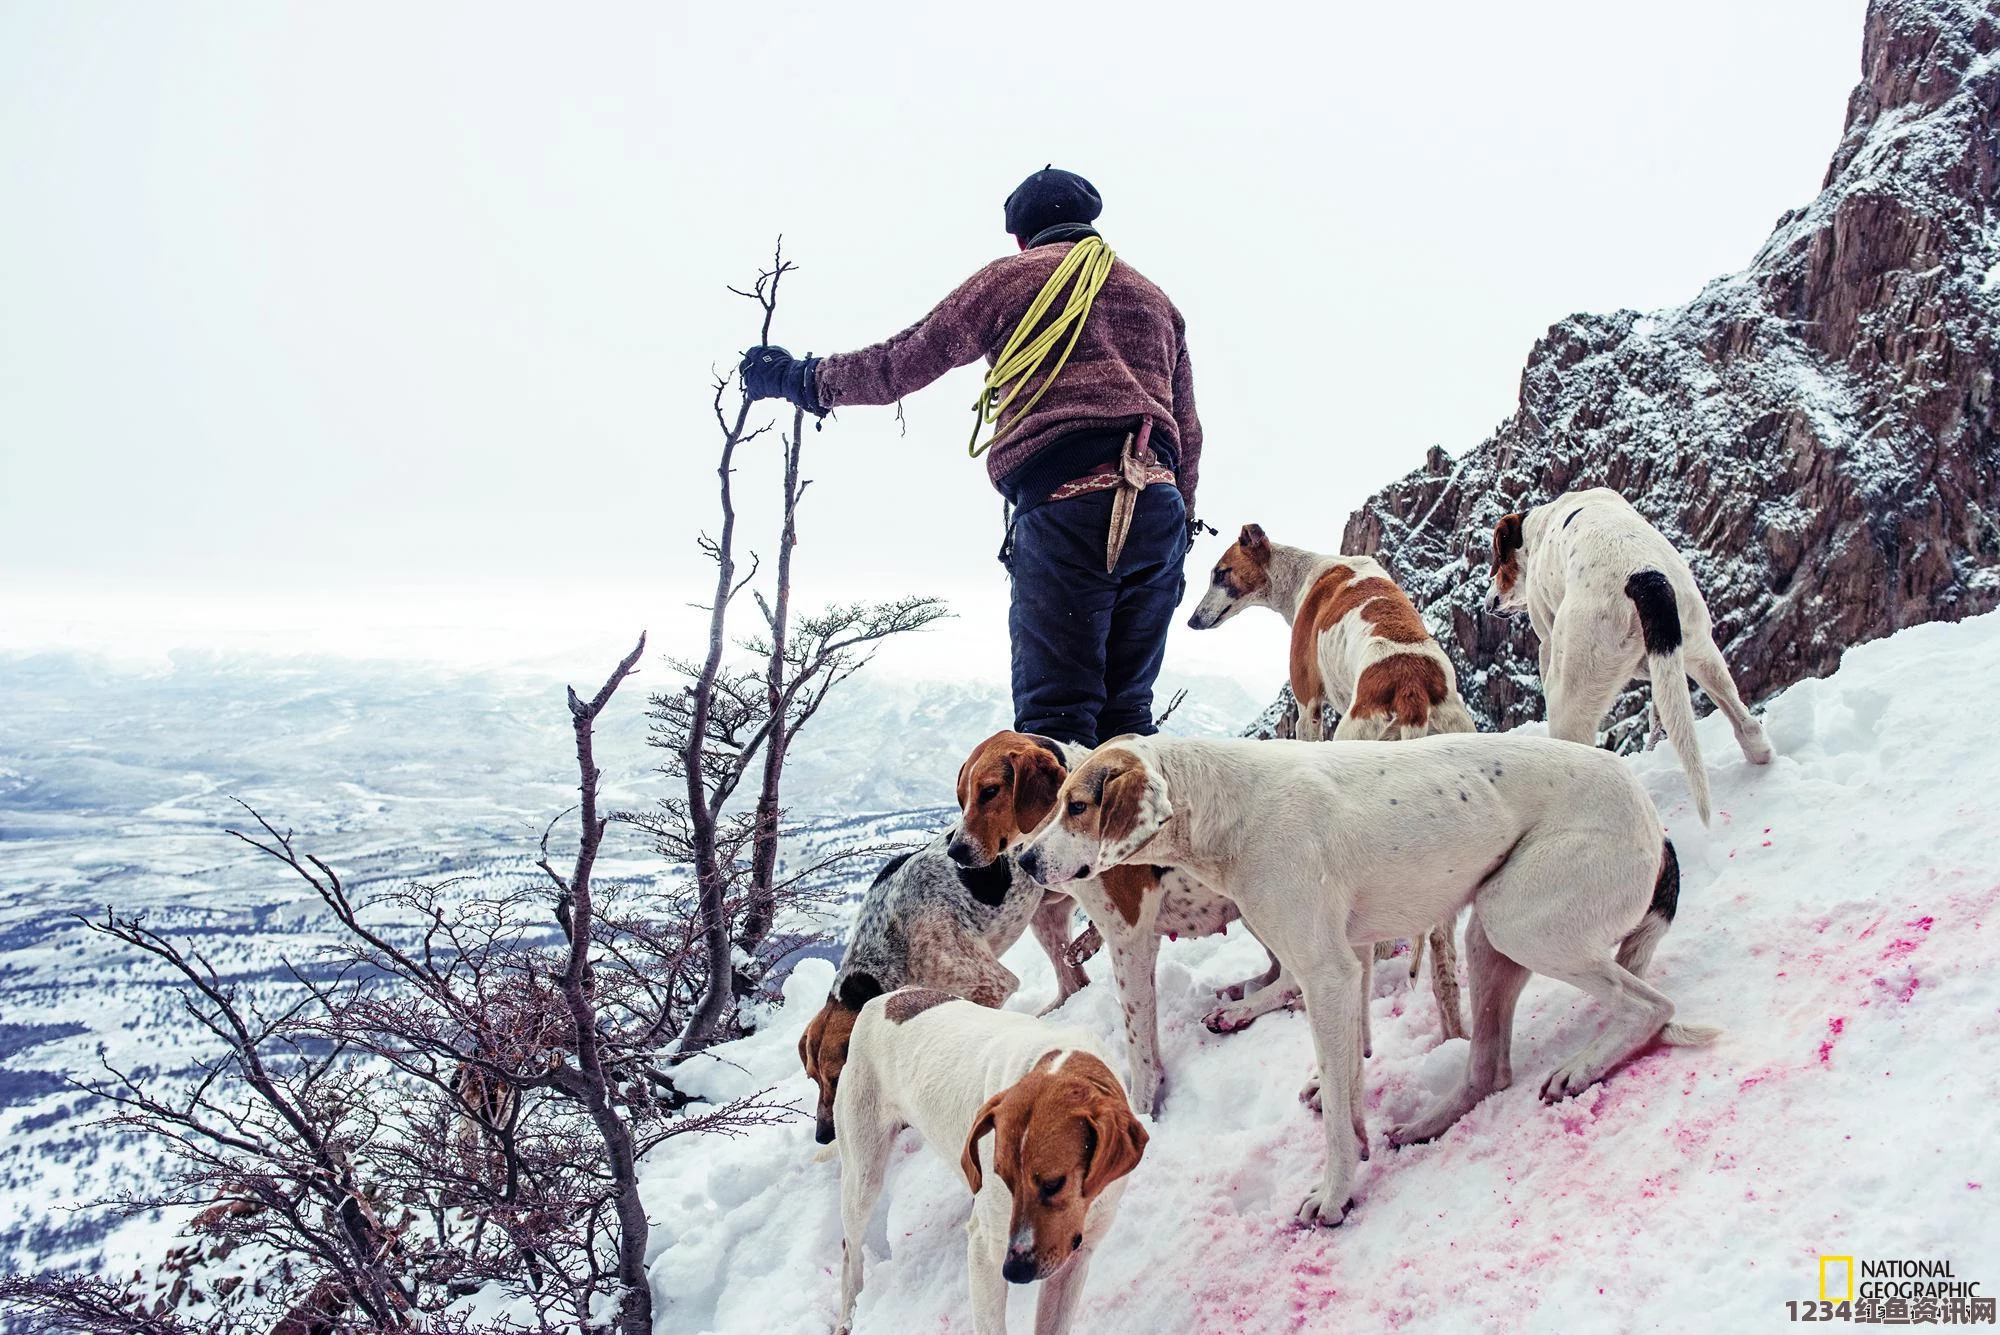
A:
[1817,432]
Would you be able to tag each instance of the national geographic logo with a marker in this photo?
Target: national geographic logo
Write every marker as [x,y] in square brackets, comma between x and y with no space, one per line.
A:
[1894,1292]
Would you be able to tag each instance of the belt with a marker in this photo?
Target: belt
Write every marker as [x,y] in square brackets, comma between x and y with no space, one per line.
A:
[1132,472]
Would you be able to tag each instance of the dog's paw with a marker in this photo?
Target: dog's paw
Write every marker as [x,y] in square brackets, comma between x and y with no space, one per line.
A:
[1234,992]
[1316,1210]
[1568,1081]
[1426,1128]
[1228,1019]
[1409,1133]
[1310,1094]
[1087,944]
[1757,747]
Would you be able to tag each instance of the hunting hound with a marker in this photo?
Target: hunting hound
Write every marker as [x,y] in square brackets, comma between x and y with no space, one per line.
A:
[1610,599]
[1359,646]
[1331,846]
[1026,1109]
[928,922]
[1006,788]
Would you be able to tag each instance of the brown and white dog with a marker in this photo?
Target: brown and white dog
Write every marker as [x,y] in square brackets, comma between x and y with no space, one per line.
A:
[1030,1113]
[1610,599]
[1358,644]
[1006,788]
[927,921]
[1358,647]
[1334,846]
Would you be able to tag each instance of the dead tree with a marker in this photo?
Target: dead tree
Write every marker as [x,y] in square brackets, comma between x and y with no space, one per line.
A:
[762,908]
[275,1124]
[460,1101]
[589,1081]
[728,720]
[77,1305]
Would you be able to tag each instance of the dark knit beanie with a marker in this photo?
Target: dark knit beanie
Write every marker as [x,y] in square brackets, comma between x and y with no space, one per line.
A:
[1051,196]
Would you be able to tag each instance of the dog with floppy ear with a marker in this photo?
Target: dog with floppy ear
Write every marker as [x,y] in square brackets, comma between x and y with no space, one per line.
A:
[1610,599]
[1011,779]
[1359,646]
[1006,789]
[928,922]
[1030,1114]
[823,1046]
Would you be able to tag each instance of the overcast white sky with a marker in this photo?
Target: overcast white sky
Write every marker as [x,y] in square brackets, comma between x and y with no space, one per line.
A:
[415,304]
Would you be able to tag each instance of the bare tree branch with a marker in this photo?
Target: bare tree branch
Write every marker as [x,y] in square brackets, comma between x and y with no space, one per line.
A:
[635,1310]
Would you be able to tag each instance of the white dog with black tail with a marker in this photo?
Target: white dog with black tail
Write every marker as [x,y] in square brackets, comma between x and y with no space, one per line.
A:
[1610,600]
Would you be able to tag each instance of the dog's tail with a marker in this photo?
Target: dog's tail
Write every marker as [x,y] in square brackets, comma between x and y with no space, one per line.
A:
[1660,623]
[1412,707]
[1635,952]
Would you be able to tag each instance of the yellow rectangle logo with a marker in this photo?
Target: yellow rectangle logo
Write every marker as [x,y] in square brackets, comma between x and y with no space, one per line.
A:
[1843,1269]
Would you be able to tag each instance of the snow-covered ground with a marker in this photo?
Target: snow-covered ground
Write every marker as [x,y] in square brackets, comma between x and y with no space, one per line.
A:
[1839,921]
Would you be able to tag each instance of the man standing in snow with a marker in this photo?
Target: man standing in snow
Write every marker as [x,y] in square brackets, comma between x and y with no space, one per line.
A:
[1098,460]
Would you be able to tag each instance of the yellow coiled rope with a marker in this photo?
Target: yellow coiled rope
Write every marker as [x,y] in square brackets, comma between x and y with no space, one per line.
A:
[1084,270]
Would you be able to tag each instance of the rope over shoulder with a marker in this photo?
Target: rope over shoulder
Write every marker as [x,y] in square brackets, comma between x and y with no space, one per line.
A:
[1083,271]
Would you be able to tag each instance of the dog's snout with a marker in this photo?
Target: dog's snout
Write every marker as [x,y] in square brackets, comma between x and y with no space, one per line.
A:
[1083,872]
[1031,863]
[960,852]
[823,1132]
[1021,1268]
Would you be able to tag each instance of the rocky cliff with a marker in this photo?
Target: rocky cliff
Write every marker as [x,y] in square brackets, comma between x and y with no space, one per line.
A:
[1816,433]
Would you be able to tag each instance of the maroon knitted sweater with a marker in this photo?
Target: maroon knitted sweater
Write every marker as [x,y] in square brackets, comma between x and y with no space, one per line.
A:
[1131,361]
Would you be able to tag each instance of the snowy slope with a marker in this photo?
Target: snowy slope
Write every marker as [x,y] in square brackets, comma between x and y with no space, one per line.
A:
[1840,922]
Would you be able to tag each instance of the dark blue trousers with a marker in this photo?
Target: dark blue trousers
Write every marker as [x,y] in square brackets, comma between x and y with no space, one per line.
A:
[1088,645]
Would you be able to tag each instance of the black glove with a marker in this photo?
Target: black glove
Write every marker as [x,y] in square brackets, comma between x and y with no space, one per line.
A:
[769,372]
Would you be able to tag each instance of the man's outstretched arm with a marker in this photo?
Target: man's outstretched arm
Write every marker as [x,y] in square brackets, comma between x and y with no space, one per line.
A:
[953,334]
